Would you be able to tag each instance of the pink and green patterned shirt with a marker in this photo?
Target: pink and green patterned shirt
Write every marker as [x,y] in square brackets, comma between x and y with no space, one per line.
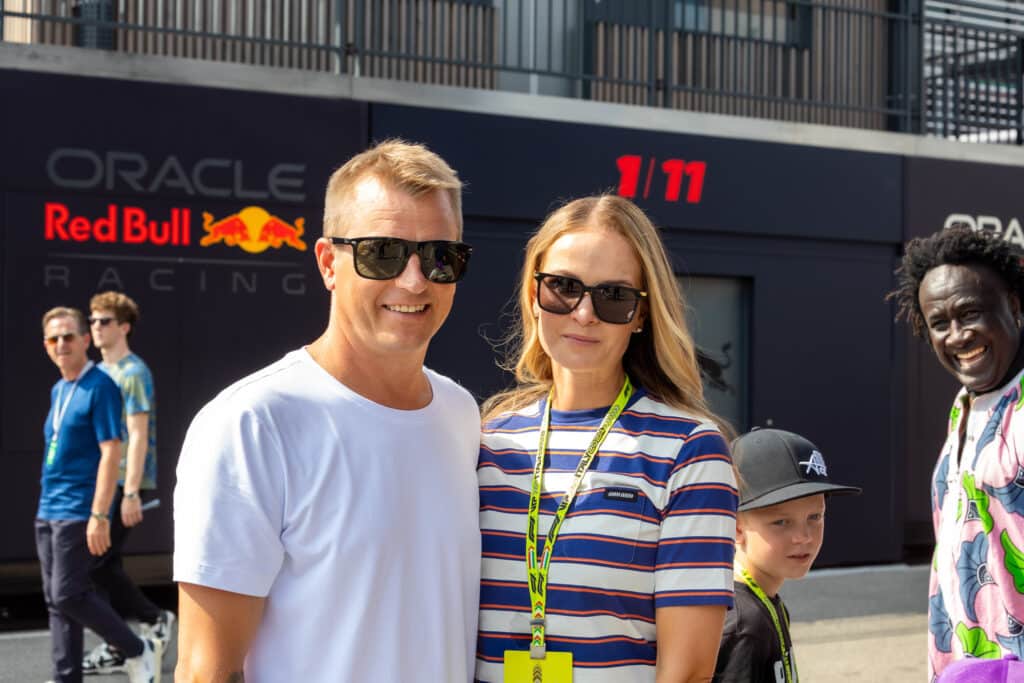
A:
[976,593]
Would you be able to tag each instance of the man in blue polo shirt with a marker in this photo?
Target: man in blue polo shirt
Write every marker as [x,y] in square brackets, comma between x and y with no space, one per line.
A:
[80,460]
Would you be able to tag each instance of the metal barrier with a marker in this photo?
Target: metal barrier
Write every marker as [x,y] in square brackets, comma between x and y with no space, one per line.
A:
[795,60]
[973,66]
[876,64]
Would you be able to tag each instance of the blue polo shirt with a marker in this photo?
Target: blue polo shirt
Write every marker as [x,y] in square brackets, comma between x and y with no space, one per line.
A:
[93,415]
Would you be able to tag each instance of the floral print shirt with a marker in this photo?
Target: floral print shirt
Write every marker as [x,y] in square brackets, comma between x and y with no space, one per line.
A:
[976,593]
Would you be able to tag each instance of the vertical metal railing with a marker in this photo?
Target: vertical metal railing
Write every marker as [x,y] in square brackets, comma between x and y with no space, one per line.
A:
[973,83]
[937,66]
[1019,68]
[802,60]
[973,70]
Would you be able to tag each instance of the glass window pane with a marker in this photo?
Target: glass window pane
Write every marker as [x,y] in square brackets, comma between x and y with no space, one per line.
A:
[718,316]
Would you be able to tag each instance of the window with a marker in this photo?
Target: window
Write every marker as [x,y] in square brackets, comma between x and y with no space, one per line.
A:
[718,316]
[773,21]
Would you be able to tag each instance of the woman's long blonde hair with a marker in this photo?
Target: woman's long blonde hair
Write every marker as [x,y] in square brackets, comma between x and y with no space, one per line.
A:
[662,358]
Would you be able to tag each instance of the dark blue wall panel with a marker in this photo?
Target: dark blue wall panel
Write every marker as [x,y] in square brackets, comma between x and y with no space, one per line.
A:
[99,149]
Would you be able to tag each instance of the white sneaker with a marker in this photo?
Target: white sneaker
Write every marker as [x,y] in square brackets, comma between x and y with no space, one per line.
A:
[103,659]
[146,667]
[162,630]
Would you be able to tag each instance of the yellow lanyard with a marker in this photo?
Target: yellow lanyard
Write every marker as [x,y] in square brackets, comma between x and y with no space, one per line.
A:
[788,661]
[537,572]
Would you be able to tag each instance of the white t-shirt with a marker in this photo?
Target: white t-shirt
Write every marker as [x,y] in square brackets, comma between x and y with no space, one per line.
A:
[359,523]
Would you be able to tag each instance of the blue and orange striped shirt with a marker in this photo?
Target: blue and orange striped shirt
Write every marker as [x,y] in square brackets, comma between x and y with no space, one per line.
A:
[653,526]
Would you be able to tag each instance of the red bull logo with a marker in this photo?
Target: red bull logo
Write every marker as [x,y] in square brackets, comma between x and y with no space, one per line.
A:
[254,230]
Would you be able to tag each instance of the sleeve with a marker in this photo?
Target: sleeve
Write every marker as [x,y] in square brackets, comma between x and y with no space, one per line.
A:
[698,527]
[106,410]
[1005,516]
[137,389]
[229,502]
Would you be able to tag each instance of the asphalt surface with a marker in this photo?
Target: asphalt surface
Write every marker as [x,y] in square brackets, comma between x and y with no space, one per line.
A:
[25,658]
[865,624]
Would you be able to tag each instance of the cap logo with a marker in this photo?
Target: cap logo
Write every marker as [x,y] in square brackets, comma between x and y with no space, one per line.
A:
[816,464]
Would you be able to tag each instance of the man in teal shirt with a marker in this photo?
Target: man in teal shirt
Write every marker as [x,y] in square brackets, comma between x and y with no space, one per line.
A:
[112,319]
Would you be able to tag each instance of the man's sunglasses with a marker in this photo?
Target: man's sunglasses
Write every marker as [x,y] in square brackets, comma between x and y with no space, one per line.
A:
[384,258]
[561,295]
[102,321]
[52,341]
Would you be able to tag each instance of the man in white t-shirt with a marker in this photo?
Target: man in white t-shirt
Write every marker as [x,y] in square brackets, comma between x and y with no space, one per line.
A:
[326,511]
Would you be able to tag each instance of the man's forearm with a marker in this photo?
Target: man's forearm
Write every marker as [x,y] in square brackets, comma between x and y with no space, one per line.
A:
[106,476]
[135,453]
[134,461]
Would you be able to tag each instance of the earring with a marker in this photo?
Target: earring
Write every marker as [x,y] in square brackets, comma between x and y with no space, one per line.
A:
[640,329]
[1019,323]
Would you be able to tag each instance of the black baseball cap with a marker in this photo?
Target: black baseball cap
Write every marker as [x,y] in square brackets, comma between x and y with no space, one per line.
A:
[775,466]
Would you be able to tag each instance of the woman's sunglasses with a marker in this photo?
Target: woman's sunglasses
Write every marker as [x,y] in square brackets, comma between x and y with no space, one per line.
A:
[384,258]
[561,294]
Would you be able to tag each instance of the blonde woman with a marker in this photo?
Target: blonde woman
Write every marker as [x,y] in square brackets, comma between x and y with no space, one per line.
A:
[608,502]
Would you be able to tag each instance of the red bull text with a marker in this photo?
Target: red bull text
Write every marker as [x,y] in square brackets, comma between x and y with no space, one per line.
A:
[125,225]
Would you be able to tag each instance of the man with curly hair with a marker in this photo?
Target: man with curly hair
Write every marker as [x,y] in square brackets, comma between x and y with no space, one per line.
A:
[962,291]
[112,320]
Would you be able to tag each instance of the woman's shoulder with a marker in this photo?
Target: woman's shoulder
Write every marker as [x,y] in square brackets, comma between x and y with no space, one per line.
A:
[670,418]
[523,418]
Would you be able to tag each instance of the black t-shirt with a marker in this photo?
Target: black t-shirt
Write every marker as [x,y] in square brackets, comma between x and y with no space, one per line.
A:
[750,650]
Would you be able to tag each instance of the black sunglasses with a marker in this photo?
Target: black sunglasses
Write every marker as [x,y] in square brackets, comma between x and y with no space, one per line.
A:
[102,321]
[384,258]
[68,338]
[561,294]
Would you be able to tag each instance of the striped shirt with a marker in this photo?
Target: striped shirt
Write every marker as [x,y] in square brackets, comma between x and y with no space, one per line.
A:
[653,525]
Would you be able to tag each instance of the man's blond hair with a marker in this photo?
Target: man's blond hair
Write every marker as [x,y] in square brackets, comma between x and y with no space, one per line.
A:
[407,166]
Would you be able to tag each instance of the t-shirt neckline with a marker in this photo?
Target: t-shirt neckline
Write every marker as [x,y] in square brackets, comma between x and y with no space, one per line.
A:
[587,414]
[427,410]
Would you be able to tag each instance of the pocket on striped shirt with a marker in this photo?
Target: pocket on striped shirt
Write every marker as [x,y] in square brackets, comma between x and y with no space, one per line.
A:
[605,529]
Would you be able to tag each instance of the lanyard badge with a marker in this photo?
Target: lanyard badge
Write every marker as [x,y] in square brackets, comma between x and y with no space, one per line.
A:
[788,661]
[532,668]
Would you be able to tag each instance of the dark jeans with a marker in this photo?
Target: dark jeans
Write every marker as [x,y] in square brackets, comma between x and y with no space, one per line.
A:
[110,578]
[71,600]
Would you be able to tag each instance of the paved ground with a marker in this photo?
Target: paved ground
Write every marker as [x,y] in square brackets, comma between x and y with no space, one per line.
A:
[866,624]
[25,658]
[860,624]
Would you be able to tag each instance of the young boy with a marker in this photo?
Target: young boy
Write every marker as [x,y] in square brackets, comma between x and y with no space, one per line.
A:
[779,529]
